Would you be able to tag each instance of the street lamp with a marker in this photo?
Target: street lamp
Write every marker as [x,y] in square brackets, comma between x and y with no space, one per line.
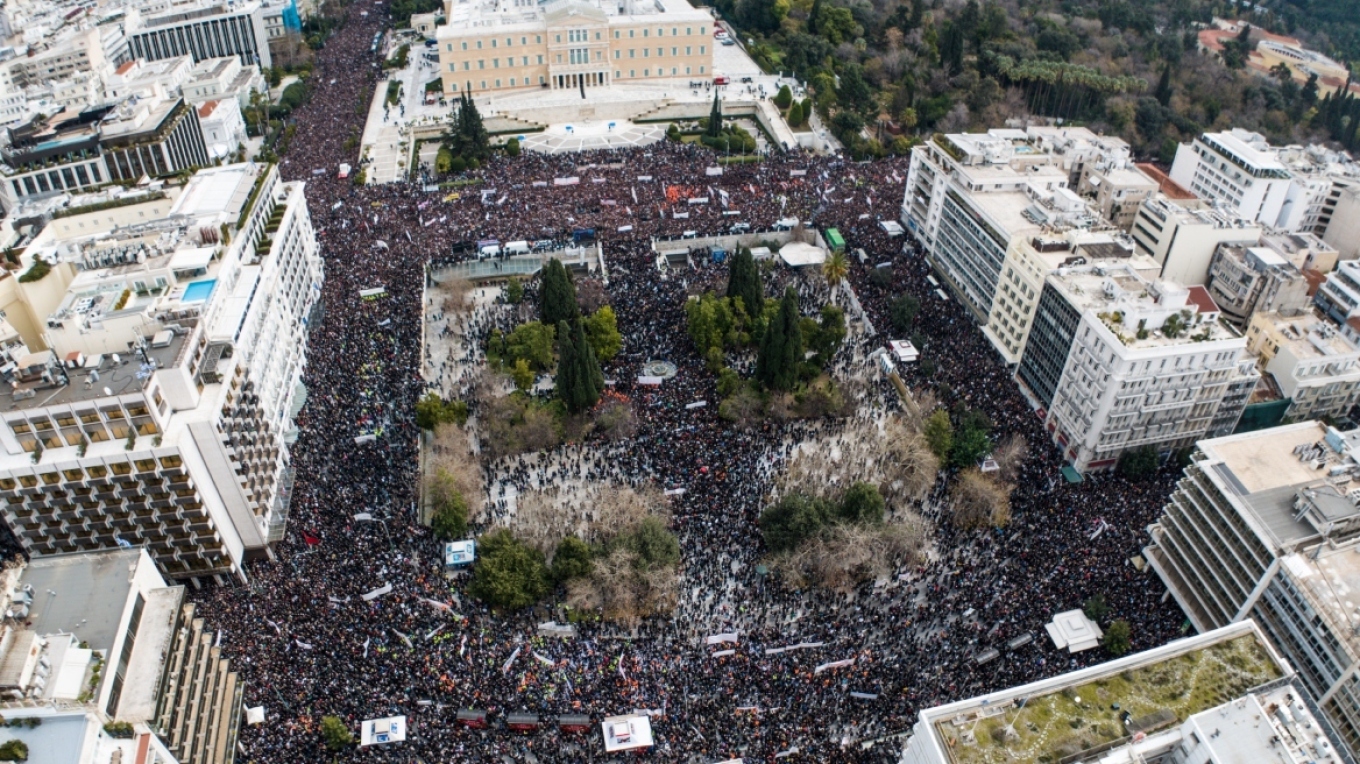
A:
[366,517]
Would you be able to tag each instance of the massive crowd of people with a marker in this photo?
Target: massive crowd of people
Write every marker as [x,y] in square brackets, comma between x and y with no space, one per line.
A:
[309,646]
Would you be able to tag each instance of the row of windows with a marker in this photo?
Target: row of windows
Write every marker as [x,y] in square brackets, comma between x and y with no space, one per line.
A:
[573,36]
[576,56]
[515,82]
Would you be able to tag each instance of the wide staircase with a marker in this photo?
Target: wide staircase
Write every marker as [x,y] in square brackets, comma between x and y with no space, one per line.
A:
[200,706]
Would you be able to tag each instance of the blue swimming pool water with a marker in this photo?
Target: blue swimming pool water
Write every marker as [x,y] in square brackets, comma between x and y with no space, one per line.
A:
[199,291]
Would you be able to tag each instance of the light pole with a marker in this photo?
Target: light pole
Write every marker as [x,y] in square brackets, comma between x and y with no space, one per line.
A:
[365,517]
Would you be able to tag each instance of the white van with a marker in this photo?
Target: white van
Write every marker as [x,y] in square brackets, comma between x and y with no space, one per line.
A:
[490,250]
[516,248]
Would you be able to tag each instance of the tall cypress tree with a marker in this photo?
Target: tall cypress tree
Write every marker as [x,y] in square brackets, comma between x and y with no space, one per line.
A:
[579,379]
[557,295]
[743,282]
[715,118]
[781,347]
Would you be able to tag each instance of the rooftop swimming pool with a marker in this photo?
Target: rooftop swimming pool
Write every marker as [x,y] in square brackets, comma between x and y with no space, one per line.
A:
[199,291]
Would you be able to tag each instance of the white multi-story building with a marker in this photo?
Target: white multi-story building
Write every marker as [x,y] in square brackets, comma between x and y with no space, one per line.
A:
[1238,168]
[149,79]
[1029,260]
[968,196]
[1264,526]
[1313,363]
[1290,188]
[1247,280]
[1339,295]
[570,44]
[207,30]
[224,129]
[1341,224]
[159,410]
[1118,363]
[217,79]
[1183,237]
[1236,701]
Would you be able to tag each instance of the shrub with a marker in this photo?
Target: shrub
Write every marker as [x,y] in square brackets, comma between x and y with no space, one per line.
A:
[784,97]
[14,750]
[512,147]
[336,734]
[36,272]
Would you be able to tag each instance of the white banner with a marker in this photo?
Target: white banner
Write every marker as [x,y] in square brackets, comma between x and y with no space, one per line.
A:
[680,215]
[713,171]
[510,661]
[572,181]
[540,184]
[718,639]
[696,405]
[834,665]
[724,653]
[697,200]
[625,228]
[598,180]
[645,178]
[541,659]
[652,381]
[797,173]
[376,593]
[674,492]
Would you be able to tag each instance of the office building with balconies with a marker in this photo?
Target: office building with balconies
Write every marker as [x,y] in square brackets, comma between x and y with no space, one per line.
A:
[1183,235]
[970,196]
[1264,526]
[1117,362]
[1245,281]
[1312,363]
[159,409]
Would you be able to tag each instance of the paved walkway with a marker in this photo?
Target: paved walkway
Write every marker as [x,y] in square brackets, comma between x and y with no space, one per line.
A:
[584,136]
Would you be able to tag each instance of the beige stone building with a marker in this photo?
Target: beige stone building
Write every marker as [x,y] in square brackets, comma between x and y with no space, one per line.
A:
[492,46]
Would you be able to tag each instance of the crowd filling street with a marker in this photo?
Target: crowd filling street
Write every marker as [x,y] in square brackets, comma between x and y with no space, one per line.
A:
[309,646]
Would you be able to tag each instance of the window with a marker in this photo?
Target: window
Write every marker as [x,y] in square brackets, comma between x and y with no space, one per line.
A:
[632,73]
[701,70]
[618,54]
[481,64]
[630,33]
[509,42]
[453,67]
[479,45]
[540,60]
[512,82]
[538,39]
[525,60]
[541,79]
[450,47]
[579,56]
[701,52]
[646,32]
[616,34]
[689,50]
[703,30]
[675,51]
[689,31]
[524,41]
[632,53]
[498,83]
[660,52]
[559,38]
[493,42]
[467,65]
[483,86]
[495,63]
[675,31]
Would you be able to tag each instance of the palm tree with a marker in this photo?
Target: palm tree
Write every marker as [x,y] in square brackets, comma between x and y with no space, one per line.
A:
[835,269]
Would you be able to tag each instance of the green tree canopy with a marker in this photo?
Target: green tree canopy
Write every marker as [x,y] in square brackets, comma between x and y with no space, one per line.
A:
[1117,639]
[557,294]
[781,346]
[1139,463]
[939,433]
[579,380]
[508,574]
[862,504]
[652,542]
[743,282]
[571,560]
[335,733]
[792,520]
[602,330]
[533,342]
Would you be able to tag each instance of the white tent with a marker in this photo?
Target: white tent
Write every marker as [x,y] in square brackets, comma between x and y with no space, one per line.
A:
[796,254]
[627,733]
[255,715]
[1074,631]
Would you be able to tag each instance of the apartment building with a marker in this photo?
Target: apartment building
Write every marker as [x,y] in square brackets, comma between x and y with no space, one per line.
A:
[99,637]
[1340,222]
[1263,526]
[157,408]
[1029,260]
[1237,701]
[1305,251]
[210,30]
[1244,281]
[1311,361]
[968,196]
[1118,362]
[1237,168]
[63,56]
[74,153]
[569,44]
[1339,296]
[1183,235]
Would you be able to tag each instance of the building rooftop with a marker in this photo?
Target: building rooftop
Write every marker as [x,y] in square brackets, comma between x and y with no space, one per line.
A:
[1079,715]
[82,593]
[1170,188]
[478,15]
[1310,336]
[1249,148]
[1142,313]
[60,739]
